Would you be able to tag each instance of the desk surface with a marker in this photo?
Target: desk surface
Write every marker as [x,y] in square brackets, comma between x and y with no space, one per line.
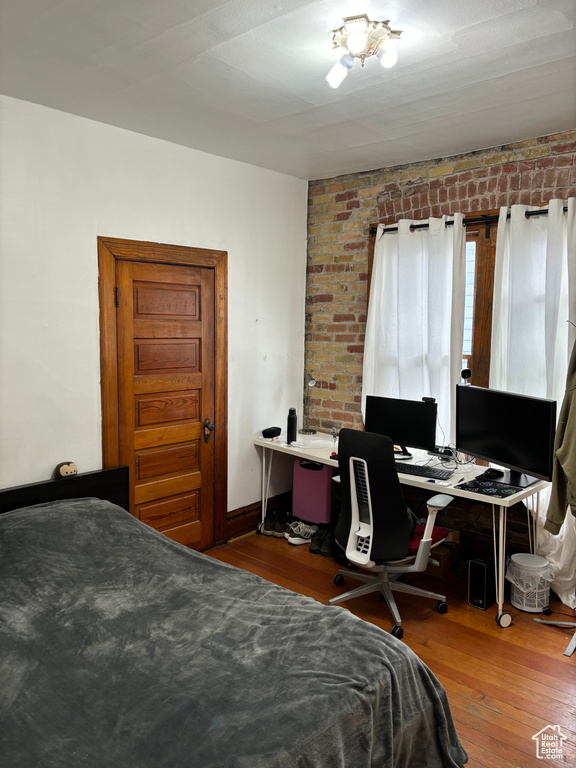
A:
[318,447]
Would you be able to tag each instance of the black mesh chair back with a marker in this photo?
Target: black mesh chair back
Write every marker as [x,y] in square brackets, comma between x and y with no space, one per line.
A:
[391,524]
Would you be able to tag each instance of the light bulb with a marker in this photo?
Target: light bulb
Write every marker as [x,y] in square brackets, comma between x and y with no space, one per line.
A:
[388,54]
[339,71]
[336,75]
[356,41]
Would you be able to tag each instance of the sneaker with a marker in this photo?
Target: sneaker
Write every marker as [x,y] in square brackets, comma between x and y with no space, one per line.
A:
[301,533]
[316,541]
[289,526]
[269,524]
[280,527]
[327,547]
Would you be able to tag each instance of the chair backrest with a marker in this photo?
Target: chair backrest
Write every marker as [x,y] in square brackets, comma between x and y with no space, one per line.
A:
[390,522]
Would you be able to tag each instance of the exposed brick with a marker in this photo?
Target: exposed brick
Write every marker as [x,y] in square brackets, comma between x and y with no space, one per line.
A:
[343,196]
[568,147]
[340,212]
[466,164]
[320,199]
[503,157]
[443,170]
[545,162]
[562,161]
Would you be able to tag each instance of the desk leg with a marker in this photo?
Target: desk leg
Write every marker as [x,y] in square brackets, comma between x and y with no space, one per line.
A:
[503,619]
[267,456]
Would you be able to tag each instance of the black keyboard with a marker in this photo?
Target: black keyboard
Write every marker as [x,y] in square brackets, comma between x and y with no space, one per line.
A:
[422,471]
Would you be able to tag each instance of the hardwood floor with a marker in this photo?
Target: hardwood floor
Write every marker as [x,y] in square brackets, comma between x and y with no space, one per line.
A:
[504,685]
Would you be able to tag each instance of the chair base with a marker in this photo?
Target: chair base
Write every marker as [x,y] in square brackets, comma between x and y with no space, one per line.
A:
[383,583]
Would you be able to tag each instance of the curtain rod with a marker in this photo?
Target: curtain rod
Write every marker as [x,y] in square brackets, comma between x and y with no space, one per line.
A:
[484,219]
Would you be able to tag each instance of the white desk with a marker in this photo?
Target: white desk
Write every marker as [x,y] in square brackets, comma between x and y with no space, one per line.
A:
[318,447]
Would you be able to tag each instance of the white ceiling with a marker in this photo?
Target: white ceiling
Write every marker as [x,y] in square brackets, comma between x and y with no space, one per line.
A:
[245,79]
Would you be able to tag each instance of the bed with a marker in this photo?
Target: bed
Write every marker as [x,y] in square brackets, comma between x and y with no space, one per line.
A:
[120,647]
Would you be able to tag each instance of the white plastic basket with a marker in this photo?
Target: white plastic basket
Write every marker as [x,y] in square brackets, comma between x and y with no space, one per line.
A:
[530,577]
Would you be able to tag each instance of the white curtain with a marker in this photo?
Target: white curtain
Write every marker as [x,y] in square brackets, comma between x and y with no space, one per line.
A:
[415,322]
[534,298]
[533,334]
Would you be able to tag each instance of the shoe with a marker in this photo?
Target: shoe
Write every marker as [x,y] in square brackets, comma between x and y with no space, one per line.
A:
[301,533]
[289,526]
[327,547]
[316,541]
[280,526]
[269,524]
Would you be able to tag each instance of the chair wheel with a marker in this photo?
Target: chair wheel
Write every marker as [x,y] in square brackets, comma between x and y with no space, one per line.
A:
[441,607]
[397,631]
[339,580]
[503,619]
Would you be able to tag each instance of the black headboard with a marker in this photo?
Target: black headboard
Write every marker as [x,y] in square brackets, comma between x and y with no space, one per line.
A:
[109,484]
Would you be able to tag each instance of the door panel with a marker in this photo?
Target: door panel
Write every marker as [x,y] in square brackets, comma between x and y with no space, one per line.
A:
[172,512]
[165,327]
[172,406]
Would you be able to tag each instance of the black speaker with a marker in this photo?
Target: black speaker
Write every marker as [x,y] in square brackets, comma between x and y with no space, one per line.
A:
[271,432]
[481,583]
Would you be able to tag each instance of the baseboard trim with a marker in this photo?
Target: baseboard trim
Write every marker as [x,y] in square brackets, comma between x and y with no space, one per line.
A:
[245,519]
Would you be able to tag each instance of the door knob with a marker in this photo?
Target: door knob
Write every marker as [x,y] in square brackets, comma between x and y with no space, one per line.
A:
[208,429]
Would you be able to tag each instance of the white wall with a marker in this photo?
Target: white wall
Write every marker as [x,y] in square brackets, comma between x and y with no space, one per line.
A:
[64,181]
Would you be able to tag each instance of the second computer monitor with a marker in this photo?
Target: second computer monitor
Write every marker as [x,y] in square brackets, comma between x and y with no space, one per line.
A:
[408,423]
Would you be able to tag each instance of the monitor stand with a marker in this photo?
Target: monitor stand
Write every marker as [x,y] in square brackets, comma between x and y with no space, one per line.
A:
[509,477]
[400,452]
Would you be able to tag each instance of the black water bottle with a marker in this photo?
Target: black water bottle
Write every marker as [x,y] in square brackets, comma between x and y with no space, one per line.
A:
[292,426]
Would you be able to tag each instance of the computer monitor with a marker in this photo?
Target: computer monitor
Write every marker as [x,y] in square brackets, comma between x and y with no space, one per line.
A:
[408,423]
[514,431]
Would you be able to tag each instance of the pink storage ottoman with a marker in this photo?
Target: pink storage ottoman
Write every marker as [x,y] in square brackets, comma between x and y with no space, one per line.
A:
[312,491]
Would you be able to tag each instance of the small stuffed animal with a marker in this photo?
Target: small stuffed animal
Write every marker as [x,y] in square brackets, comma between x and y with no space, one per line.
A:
[65,469]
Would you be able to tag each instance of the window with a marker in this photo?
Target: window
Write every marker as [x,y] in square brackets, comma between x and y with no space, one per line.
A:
[480,256]
[469,301]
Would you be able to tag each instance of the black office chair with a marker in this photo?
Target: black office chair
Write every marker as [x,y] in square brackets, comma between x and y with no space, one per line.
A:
[375,529]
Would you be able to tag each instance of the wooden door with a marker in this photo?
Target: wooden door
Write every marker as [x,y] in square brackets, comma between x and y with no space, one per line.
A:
[163,386]
[166,392]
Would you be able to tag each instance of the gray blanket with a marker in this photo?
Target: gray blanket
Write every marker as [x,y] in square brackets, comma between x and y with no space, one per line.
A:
[120,648]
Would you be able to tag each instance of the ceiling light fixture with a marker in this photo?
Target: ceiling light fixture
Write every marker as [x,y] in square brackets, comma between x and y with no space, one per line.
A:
[360,38]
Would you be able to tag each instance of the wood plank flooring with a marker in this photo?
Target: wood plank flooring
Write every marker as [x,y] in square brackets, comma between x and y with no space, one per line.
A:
[504,685]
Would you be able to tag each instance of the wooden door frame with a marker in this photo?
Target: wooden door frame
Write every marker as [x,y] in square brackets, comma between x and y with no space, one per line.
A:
[109,251]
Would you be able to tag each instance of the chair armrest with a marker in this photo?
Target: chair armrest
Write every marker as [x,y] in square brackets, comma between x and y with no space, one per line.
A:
[439,501]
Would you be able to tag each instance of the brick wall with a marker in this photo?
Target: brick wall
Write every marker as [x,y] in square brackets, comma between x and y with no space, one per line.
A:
[341,211]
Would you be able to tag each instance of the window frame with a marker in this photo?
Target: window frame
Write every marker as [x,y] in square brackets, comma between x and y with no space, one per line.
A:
[484,235]
[481,228]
